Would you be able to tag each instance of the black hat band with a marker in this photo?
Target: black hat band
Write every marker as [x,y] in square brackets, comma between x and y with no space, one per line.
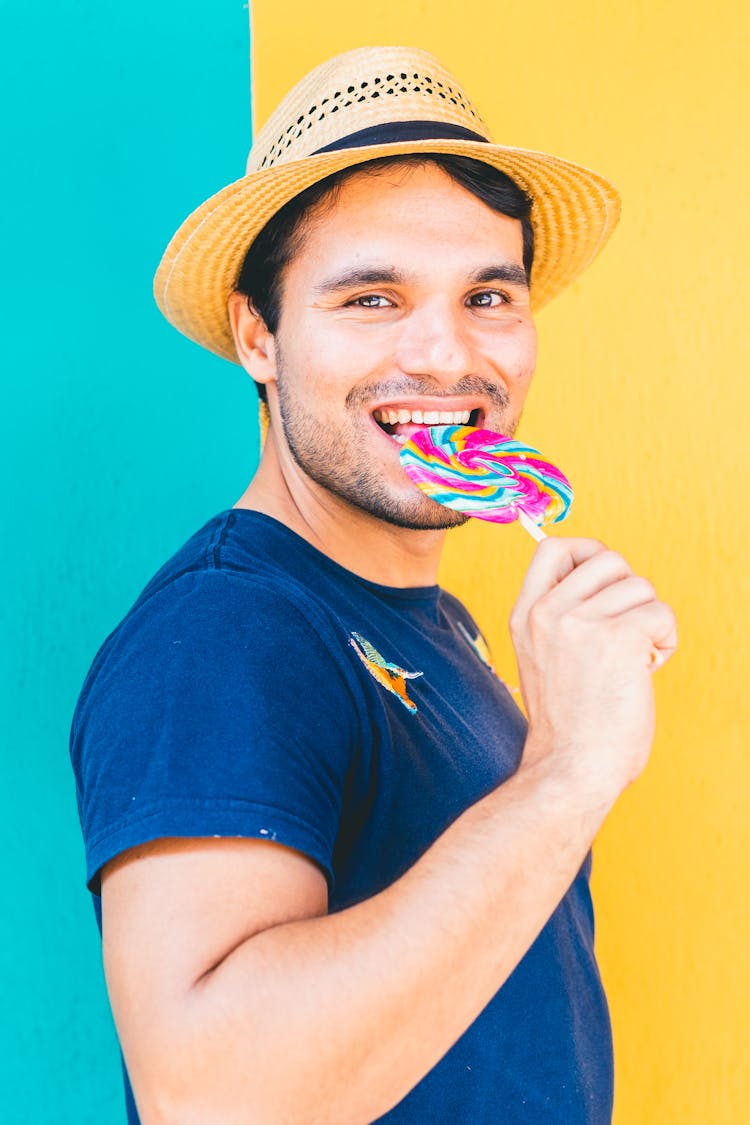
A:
[394,132]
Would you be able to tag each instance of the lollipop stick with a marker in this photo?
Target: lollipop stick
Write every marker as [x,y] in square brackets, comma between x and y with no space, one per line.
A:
[528,524]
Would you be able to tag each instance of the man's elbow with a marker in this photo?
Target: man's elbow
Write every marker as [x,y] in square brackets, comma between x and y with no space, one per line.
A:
[192,1087]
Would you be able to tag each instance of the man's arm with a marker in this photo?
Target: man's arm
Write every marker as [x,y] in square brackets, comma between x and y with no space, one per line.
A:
[237,999]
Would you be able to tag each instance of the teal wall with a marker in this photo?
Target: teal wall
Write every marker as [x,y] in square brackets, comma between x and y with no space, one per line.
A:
[121,438]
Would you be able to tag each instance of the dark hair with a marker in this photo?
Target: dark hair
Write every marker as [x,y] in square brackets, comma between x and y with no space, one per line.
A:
[280,239]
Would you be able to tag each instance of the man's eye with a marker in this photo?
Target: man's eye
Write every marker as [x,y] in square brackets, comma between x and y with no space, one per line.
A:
[368,301]
[489,299]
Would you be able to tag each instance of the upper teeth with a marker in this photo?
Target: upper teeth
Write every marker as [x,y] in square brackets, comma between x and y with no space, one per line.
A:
[422,417]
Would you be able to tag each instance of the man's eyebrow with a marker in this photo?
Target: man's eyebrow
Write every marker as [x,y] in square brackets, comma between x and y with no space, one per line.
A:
[359,275]
[510,272]
[507,271]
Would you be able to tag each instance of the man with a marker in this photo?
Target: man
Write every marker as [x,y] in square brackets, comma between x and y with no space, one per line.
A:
[342,880]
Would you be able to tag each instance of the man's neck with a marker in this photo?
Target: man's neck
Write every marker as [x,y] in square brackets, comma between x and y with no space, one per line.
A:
[367,546]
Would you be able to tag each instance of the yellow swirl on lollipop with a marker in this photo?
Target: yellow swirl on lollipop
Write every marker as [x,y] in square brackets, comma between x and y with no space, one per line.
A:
[488,476]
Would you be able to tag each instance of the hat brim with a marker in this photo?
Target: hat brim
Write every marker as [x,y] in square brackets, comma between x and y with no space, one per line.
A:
[574,212]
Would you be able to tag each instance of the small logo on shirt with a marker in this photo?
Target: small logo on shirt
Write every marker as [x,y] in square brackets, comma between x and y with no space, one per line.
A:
[388,675]
[481,648]
[479,645]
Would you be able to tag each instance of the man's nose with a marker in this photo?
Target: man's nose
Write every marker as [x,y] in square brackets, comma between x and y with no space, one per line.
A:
[434,342]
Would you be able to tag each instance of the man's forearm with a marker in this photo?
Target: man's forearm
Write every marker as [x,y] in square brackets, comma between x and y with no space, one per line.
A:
[334,1019]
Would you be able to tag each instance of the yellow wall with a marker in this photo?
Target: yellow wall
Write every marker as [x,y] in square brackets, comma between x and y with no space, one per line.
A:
[642,397]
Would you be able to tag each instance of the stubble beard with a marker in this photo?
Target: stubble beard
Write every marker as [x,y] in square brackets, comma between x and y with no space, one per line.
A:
[317,452]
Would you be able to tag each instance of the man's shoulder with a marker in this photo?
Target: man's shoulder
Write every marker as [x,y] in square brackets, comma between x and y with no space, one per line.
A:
[222,704]
[235,582]
[236,557]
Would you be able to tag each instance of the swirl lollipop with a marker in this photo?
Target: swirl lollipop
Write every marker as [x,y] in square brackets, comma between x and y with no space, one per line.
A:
[486,475]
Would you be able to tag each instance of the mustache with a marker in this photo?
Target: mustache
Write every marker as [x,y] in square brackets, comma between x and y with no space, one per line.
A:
[406,387]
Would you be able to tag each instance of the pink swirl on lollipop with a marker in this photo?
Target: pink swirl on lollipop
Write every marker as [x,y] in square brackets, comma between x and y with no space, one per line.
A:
[486,475]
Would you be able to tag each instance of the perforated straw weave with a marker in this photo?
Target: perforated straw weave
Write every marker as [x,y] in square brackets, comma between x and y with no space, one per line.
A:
[573,214]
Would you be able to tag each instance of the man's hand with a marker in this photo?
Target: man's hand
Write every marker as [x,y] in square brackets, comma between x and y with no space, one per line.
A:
[588,633]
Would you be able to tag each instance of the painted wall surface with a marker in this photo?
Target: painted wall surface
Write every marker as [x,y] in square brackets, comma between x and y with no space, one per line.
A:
[121,437]
[642,396]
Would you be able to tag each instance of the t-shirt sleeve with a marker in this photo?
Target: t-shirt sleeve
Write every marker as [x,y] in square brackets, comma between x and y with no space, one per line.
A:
[219,707]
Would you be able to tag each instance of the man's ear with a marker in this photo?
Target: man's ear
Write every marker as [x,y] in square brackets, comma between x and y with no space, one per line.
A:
[256,347]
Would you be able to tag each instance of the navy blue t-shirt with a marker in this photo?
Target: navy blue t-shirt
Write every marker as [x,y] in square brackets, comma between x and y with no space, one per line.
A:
[257,688]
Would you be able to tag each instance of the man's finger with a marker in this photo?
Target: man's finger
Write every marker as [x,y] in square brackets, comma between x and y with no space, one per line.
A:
[593,575]
[617,598]
[553,560]
[656,622]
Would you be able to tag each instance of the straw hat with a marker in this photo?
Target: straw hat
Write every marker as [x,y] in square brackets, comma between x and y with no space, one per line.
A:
[368,103]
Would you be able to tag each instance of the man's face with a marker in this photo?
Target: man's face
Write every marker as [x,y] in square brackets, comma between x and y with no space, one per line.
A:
[405,307]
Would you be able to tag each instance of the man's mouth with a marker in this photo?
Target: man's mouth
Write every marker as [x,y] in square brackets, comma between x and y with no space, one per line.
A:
[401,422]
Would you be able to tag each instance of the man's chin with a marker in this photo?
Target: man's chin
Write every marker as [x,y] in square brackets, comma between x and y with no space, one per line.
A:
[422,515]
[443,522]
